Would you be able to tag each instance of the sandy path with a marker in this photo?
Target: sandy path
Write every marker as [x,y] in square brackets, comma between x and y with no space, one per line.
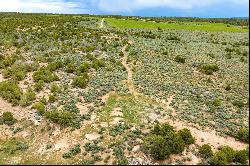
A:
[131,87]
[102,25]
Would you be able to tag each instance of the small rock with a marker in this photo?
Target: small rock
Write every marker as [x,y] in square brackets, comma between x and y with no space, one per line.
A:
[93,117]
[152,117]
[139,140]
[92,136]
[136,148]
[104,124]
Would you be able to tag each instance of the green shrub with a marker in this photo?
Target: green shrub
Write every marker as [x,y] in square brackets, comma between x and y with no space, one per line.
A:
[186,136]
[228,87]
[71,107]
[241,156]
[226,155]
[8,118]
[175,143]
[205,151]
[39,85]
[83,68]
[55,65]
[8,61]
[55,88]
[163,140]
[62,118]
[122,161]
[98,63]
[88,162]
[40,107]
[157,146]
[118,151]
[219,158]
[162,129]
[10,91]
[17,71]
[80,81]
[229,153]
[27,98]
[48,146]
[70,68]
[45,75]
[52,98]
[72,152]
[21,146]
[93,148]
[216,102]
[179,59]
[238,103]
[118,129]
[208,68]
[19,75]
[243,135]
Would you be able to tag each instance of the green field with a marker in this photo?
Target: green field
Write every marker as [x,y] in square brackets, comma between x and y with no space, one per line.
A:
[214,27]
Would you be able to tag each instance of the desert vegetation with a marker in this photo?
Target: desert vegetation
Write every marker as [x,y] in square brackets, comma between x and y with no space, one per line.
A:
[81,89]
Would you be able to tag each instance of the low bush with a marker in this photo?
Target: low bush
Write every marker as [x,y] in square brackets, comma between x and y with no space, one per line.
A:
[179,59]
[205,151]
[62,118]
[238,103]
[163,141]
[45,75]
[55,88]
[72,152]
[186,136]
[229,153]
[40,107]
[55,65]
[39,85]
[16,72]
[70,68]
[8,118]
[10,91]
[83,68]
[8,61]
[226,155]
[219,158]
[98,63]
[118,129]
[27,98]
[208,68]
[71,107]
[241,156]
[228,87]
[80,81]
[52,98]
[93,148]
[243,135]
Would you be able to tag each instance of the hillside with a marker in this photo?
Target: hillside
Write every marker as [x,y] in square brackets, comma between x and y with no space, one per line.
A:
[77,89]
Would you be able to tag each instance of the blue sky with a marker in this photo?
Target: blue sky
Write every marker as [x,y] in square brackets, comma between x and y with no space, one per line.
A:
[183,8]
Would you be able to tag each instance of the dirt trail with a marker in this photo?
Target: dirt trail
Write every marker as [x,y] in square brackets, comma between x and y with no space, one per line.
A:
[131,87]
[102,25]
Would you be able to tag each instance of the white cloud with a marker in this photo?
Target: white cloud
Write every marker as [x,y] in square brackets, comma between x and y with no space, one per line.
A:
[36,6]
[131,5]
[109,6]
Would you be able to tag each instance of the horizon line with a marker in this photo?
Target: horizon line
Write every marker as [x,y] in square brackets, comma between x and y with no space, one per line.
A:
[235,17]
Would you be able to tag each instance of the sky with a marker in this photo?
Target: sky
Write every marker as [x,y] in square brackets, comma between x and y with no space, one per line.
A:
[170,8]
